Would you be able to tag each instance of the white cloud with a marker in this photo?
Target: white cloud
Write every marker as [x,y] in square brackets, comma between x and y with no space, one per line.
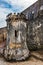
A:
[21,3]
[3,13]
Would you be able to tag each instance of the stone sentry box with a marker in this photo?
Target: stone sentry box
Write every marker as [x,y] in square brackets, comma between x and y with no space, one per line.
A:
[16,46]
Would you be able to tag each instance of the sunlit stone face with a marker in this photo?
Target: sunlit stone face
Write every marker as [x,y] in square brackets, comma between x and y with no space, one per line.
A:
[17,34]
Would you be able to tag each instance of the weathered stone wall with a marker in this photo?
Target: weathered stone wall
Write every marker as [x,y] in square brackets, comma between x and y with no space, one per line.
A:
[35,33]
[34,25]
[40,2]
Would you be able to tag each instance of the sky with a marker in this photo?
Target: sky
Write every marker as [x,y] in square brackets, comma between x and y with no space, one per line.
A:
[12,6]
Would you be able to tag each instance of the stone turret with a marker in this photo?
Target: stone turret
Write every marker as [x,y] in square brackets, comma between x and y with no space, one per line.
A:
[16,37]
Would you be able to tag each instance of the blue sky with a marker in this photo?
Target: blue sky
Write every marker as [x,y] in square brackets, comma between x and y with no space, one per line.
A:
[8,6]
